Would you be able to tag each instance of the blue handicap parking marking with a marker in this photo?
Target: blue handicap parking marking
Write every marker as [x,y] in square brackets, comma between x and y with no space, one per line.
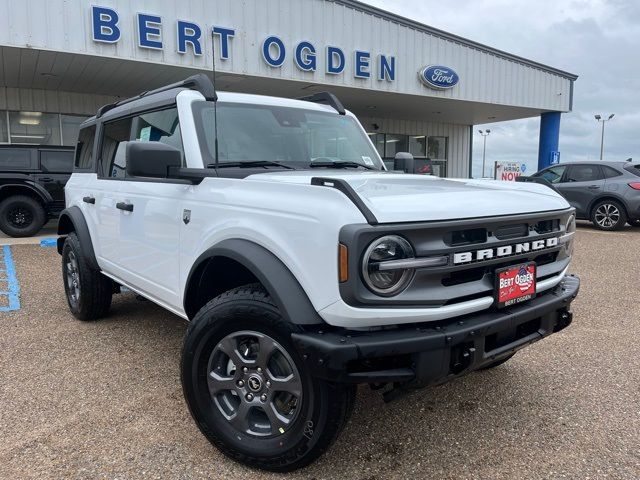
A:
[10,293]
[48,242]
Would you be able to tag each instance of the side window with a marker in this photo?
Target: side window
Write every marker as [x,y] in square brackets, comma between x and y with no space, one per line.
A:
[15,158]
[553,175]
[610,172]
[161,126]
[584,173]
[52,161]
[84,147]
[115,136]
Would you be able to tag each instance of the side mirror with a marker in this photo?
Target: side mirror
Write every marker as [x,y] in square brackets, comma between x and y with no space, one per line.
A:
[151,159]
[404,161]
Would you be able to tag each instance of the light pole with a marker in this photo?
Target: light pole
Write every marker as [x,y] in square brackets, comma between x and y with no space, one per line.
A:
[484,134]
[603,121]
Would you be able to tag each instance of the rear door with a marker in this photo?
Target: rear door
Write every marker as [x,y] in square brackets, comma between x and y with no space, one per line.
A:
[55,169]
[580,185]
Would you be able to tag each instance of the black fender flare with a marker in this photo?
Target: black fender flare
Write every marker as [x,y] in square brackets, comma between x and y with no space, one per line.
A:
[39,190]
[282,286]
[72,220]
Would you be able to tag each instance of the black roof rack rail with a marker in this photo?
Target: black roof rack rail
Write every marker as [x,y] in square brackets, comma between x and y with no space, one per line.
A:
[326,98]
[199,82]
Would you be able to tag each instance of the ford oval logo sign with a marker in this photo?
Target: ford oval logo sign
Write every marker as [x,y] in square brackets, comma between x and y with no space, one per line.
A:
[438,76]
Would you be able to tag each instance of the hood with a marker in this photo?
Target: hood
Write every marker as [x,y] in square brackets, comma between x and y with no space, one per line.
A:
[398,197]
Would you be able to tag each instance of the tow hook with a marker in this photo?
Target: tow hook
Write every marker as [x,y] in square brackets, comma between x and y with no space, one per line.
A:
[564,320]
[462,358]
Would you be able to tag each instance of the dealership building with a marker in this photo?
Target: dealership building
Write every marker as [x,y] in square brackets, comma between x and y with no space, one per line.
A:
[413,87]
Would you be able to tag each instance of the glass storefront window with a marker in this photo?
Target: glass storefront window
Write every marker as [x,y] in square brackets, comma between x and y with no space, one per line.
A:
[395,144]
[4,136]
[34,127]
[417,145]
[437,148]
[70,127]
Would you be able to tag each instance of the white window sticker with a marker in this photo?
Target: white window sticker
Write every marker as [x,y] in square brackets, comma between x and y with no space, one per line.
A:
[145,134]
[367,161]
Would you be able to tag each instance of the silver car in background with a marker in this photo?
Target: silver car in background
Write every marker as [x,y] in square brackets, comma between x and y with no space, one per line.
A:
[606,193]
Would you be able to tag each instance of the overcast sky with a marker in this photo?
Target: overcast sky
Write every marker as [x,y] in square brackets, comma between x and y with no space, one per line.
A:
[599,40]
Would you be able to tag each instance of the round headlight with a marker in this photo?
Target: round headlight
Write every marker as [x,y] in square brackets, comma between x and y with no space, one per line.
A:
[570,228]
[387,282]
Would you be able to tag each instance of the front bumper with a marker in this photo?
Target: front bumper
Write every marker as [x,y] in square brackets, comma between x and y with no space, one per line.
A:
[433,353]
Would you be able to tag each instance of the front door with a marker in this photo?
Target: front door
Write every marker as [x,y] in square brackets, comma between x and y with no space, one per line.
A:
[581,184]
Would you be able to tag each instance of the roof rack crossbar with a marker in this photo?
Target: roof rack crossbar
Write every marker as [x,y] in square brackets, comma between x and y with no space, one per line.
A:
[199,82]
[326,98]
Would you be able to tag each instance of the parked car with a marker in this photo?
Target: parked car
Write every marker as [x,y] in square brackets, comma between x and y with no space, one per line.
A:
[32,180]
[303,266]
[606,193]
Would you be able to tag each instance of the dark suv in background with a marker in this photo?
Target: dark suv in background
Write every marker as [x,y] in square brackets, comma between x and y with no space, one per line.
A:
[607,193]
[32,180]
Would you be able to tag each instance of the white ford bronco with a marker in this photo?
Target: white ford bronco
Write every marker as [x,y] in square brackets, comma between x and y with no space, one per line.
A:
[304,267]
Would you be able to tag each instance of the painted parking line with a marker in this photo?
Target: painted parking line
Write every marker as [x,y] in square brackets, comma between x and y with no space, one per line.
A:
[49,242]
[10,295]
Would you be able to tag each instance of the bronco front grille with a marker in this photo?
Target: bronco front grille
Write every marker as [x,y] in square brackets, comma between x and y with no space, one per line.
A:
[462,280]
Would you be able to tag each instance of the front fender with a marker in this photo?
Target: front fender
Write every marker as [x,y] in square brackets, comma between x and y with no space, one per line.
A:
[284,289]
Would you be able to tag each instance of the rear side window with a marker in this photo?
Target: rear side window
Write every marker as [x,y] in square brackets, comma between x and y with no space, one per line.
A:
[56,161]
[84,148]
[113,158]
[584,173]
[635,169]
[15,159]
[610,172]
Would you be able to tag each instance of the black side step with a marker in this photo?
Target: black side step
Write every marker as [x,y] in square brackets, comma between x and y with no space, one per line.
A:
[326,98]
[349,192]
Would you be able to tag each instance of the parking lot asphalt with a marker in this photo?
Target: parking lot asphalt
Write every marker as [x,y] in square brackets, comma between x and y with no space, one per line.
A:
[103,400]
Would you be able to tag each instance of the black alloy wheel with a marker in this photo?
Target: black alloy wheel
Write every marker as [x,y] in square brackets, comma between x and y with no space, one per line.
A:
[88,291]
[254,383]
[21,216]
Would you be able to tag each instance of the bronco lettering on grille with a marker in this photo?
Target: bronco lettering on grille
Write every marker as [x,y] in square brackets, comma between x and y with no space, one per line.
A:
[504,251]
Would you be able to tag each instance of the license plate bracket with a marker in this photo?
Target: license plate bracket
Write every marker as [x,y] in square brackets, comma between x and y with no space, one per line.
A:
[515,284]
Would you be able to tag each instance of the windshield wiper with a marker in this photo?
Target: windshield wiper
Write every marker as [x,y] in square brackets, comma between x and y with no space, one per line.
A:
[339,164]
[250,164]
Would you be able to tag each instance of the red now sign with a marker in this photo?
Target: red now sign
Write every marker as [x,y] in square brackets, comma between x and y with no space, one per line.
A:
[509,176]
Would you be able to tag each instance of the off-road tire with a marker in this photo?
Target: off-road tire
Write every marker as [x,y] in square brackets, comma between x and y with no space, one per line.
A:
[618,220]
[21,216]
[95,290]
[321,412]
[497,363]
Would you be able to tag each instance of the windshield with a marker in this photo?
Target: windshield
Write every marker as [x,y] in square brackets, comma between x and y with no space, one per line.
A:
[294,137]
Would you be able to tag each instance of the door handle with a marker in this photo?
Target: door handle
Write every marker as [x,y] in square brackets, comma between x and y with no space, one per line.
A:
[89,199]
[46,179]
[127,207]
[594,187]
